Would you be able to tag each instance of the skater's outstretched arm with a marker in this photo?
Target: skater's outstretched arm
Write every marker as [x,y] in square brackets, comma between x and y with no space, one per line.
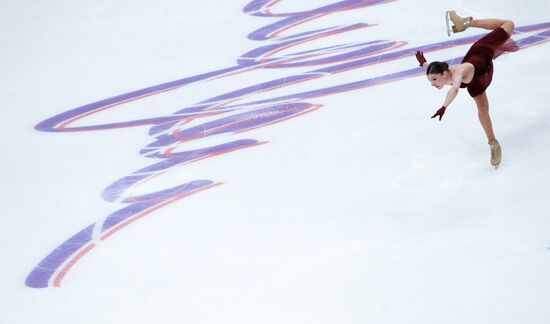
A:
[456,80]
[455,86]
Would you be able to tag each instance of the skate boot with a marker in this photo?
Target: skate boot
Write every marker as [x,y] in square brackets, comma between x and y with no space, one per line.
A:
[496,153]
[459,24]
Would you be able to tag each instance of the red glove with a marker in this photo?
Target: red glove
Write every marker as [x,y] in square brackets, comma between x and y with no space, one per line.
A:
[440,112]
[420,57]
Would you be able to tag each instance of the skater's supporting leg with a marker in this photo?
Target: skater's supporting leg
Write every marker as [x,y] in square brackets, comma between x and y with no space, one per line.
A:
[483,113]
[492,24]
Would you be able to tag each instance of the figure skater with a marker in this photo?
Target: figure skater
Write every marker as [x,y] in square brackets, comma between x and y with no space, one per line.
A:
[475,72]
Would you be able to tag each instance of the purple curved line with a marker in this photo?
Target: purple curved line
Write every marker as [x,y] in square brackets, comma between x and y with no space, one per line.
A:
[51,124]
[528,41]
[254,7]
[114,191]
[41,274]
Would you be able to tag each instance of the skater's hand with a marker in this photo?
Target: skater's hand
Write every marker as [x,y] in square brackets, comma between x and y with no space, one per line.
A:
[440,112]
[420,57]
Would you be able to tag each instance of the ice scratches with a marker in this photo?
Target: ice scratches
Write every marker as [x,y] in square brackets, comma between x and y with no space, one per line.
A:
[318,73]
[435,171]
[532,105]
[469,12]
[98,230]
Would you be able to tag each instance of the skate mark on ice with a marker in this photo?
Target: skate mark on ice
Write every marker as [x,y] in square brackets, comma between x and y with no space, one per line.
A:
[434,171]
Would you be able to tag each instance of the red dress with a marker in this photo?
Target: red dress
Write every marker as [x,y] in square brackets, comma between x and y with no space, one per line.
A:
[481,56]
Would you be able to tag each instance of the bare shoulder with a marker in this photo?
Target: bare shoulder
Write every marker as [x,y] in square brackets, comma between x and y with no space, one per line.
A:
[463,68]
[464,71]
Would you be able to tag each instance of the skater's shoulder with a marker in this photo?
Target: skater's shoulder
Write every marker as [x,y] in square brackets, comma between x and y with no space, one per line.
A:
[462,67]
[462,73]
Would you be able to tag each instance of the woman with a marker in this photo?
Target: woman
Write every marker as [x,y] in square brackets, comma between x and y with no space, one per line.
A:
[475,72]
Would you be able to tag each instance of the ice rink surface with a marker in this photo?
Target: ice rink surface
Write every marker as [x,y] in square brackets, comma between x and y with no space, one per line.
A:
[268,162]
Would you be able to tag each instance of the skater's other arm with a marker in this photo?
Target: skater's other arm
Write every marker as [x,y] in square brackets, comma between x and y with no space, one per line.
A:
[421,59]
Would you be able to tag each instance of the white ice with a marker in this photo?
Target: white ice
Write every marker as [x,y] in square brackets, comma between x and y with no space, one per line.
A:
[363,211]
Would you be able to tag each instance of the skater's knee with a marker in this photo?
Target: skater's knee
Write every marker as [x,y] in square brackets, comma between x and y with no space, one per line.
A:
[484,116]
[508,26]
[482,110]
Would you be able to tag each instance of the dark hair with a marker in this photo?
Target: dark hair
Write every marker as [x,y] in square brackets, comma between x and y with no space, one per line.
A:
[437,67]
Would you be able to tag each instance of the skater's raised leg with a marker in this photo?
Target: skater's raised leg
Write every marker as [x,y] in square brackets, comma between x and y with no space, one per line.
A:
[461,24]
[492,24]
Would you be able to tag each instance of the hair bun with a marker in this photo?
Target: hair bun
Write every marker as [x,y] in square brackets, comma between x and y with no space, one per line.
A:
[437,67]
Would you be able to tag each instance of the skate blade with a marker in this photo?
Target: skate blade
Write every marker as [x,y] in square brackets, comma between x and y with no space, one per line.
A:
[448,22]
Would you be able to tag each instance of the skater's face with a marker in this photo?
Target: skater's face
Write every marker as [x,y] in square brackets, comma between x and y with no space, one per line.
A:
[437,80]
